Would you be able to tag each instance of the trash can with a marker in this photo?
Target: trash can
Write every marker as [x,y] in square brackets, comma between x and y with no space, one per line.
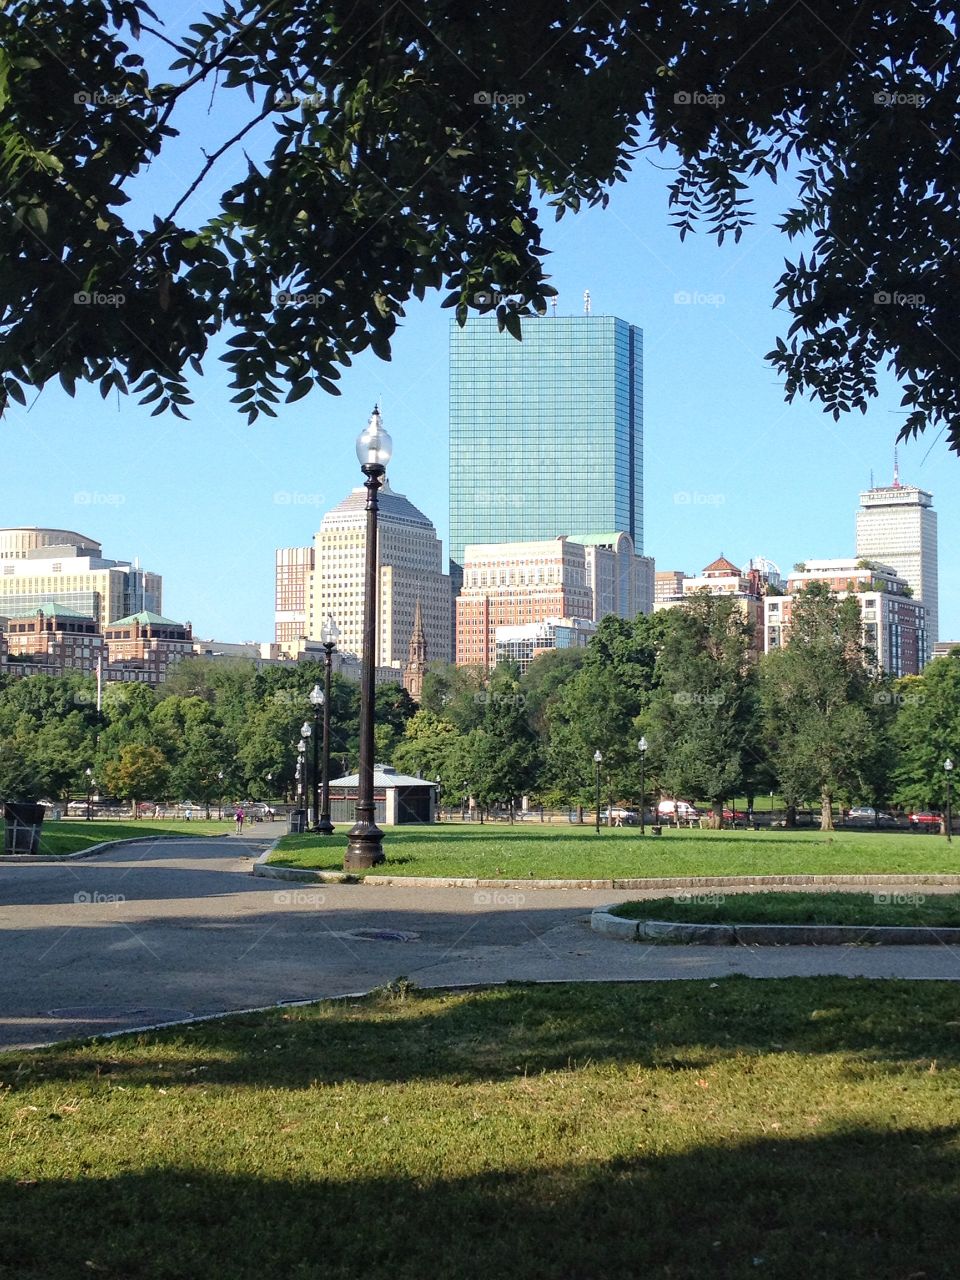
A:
[297,822]
[22,831]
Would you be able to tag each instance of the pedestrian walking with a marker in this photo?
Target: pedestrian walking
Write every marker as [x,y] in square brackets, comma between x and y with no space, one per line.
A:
[239,815]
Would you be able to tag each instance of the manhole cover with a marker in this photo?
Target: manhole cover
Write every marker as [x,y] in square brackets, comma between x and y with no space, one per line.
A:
[382,935]
[113,1013]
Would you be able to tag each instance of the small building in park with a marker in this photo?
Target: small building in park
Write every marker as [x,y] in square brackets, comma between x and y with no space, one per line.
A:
[398,799]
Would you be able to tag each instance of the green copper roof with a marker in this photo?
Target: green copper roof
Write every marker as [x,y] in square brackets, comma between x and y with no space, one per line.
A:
[151,619]
[51,610]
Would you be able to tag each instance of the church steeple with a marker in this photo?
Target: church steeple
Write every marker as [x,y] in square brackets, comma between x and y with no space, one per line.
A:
[416,656]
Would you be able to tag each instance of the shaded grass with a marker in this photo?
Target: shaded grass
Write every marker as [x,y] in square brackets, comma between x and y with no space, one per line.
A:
[74,836]
[497,852]
[893,907]
[668,1130]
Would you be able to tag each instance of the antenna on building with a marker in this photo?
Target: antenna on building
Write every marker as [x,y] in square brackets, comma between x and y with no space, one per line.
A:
[553,302]
[586,302]
[896,469]
[871,477]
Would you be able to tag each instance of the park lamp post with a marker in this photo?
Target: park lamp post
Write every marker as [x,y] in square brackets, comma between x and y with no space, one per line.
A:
[597,758]
[439,816]
[89,773]
[642,748]
[306,729]
[302,775]
[948,770]
[329,635]
[365,839]
[317,700]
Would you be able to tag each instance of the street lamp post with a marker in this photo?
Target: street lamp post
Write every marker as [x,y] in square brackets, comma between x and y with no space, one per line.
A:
[463,806]
[302,775]
[317,700]
[365,840]
[329,635]
[948,770]
[597,757]
[306,730]
[439,815]
[89,773]
[642,748]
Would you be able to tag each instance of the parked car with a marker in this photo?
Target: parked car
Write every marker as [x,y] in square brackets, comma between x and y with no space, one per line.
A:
[677,809]
[629,817]
[867,813]
[731,815]
[925,819]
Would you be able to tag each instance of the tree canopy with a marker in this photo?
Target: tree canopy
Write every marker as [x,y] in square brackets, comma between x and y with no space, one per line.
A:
[420,146]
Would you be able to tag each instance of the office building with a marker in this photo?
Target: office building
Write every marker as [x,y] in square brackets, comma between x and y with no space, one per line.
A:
[546,434]
[893,621]
[722,578]
[410,559]
[55,637]
[292,569]
[897,526]
[621,581]
[147,643]
[515,583]
[40,567]
[668,585]
[524,643]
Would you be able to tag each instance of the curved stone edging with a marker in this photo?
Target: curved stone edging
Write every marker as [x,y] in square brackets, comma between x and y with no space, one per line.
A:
[278,871]
[767,935]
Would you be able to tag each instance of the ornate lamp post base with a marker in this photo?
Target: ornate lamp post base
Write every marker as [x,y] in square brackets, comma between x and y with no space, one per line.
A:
[364,847]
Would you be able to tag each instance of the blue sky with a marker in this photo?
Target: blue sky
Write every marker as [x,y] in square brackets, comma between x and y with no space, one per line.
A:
[730,467]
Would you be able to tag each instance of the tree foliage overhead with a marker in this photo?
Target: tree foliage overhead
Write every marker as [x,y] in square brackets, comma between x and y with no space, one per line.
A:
[416,147]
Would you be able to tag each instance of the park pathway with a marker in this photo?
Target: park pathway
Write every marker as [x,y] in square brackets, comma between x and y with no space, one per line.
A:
[157,932]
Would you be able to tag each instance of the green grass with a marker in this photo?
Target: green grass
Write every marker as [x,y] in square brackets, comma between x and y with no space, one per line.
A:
[681,1130]
[500,852]
[892,907]
[74,835]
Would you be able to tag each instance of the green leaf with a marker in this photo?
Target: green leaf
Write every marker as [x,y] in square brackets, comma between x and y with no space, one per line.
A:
[299,390]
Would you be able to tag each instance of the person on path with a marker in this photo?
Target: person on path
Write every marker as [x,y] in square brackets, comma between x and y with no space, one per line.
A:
[239,815]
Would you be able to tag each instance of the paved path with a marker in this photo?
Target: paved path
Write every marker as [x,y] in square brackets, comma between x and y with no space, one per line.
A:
[155,932]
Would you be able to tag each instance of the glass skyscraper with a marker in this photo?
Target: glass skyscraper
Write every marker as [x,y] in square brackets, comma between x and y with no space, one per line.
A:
[546,435]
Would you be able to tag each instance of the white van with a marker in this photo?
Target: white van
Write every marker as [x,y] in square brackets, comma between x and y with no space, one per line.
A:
[672,809]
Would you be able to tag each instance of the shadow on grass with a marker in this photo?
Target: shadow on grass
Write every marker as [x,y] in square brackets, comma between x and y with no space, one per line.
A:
[862,1204]
[398,1036]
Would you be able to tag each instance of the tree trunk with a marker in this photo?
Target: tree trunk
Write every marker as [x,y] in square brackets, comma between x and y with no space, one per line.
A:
[826,812]
[715,821]
[790,815]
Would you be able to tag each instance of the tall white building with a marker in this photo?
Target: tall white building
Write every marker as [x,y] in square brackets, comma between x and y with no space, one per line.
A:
[410,562]
[40,567]
[897,526]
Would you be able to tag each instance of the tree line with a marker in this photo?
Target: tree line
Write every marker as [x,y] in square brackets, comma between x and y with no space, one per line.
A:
[815,721]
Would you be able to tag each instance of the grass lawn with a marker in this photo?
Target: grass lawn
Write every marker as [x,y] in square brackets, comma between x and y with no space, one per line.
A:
[681,1130]
[73,836]
[502,852]
[938,910]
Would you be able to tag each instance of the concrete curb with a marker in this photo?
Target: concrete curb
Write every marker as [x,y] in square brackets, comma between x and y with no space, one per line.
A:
[767,935]
[278,871]
[41,859]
